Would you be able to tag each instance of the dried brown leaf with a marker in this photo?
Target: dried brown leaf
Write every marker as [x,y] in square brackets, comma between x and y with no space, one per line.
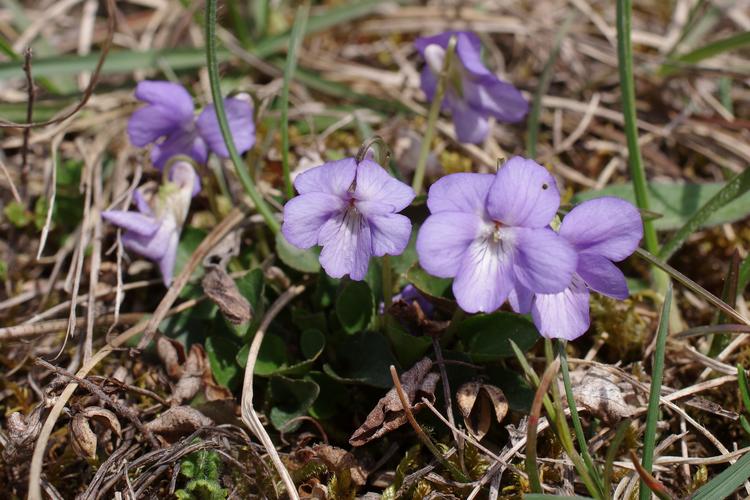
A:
[223,291]
[83,438]
[178,421]
[191,380]
[172,354]
[388,413]
[602,398]
[338,459]
[21,433]
[477,402]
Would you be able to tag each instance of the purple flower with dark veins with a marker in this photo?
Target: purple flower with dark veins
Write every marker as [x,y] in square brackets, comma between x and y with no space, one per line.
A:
[473,93]
[350,209]
[169,123]
[154,230]
[602,231]
[490,233]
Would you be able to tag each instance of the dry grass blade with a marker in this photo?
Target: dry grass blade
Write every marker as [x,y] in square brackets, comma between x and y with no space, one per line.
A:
[249,416]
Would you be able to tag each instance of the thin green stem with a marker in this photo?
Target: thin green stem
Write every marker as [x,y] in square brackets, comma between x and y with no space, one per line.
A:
[627,89]
[578,429]
[432,117]
[295,40]
[213,75]
[385,264]
[652,415]
[563,431]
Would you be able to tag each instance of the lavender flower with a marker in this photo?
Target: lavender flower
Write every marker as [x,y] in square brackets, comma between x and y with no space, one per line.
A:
[168,122]
[490,233]
[154,230]
[473,93]
[602,230]
[349,209]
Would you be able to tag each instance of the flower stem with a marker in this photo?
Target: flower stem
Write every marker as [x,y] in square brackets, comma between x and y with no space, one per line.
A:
[387,283]
[213,75]
[432,117]
[637,171]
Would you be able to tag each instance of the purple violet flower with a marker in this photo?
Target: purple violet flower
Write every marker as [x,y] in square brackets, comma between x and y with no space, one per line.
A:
[168,122]
[602,231]
[490,233]
[473,92]
[349,209]
[154,230]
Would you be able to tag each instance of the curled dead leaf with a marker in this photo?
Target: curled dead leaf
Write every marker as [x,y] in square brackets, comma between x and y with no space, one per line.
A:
[388,413]
[172,354]
[21,432]
[177,422]
[191,380]
[477,402]
[84,439]
[603,398]
[337,459]
[223,291]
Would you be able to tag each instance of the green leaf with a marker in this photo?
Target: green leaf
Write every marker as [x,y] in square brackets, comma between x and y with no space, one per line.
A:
[364,358]
[355,306]
[296,258]
[333,396]
[222,355]
[487,335]
[251,286]
[290,399]
[707,51]
[426,283]
[734,188]
[271,356]
[677,203]
[17,214]
[409,348]
[514,386]
[189,240]
[723,485]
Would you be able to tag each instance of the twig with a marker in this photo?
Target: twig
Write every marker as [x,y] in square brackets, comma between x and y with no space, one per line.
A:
[420,433]
[448,400]
[248,412]
[92,83]
[37,460]
[118,407]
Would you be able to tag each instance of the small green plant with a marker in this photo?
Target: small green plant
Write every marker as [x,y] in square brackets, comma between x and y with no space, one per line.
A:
[202,468]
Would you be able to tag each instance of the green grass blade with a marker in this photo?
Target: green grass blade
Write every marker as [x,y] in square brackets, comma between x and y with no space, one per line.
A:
[744,391]
[298,34]
[744,275]
[727,482]
[180,59]
[652,415]
[635,160]
[614,447]
[532,135]
[736,187]
[213,74]
[706,52]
